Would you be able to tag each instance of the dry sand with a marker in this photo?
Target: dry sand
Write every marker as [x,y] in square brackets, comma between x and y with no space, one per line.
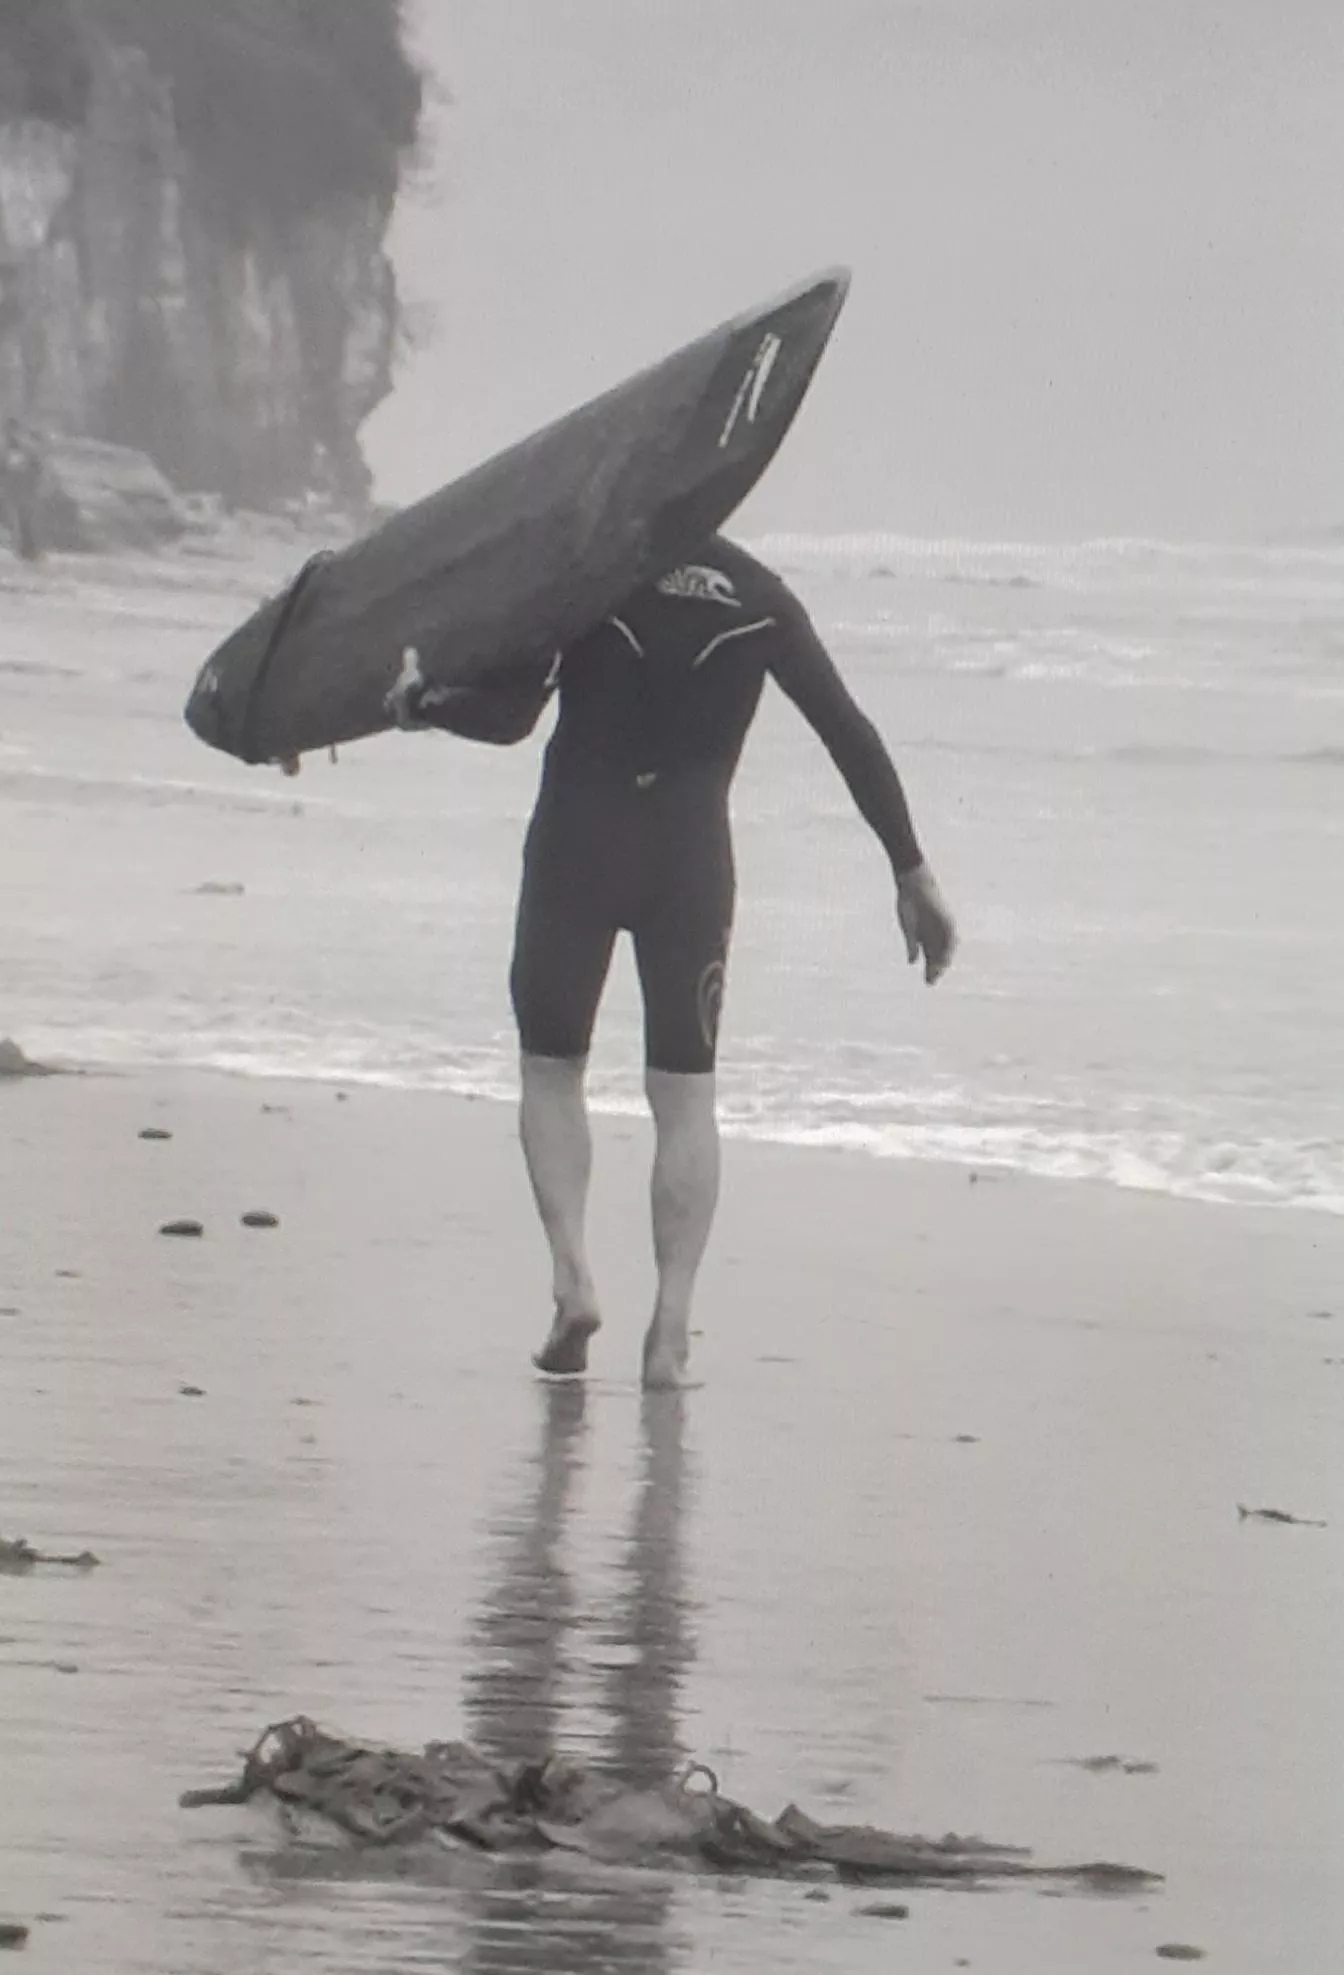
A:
[956,1505]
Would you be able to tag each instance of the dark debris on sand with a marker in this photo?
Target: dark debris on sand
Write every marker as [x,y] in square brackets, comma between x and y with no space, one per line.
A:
[1110,1765]
[449,1796]
[17,1557]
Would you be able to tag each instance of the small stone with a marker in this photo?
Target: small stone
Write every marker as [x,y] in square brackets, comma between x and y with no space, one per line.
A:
[188,1229]
[968,1440]
[191,1391]
[13,1934]
[64,1666]
[885,1910]
[67,1275]
[219,888]
[156,1133]
[1180,1951]
[260,1218]
[818,1893]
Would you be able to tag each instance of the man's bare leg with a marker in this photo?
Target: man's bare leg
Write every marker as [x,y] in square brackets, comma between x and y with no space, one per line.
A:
[684,1195]
[558,1147]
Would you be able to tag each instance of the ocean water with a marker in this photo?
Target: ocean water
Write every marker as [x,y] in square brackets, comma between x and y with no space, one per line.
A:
[1126,761]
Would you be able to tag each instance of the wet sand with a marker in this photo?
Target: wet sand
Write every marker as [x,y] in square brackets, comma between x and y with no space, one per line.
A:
[955,1506]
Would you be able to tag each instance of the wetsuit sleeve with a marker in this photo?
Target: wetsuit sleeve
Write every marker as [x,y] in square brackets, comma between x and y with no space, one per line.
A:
[500,714]
[805,670]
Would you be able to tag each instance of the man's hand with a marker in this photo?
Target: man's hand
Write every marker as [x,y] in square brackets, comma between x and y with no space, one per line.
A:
[412,698]
[925,922]
[403,702]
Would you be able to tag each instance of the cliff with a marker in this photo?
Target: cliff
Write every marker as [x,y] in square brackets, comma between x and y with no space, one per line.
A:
[193,204]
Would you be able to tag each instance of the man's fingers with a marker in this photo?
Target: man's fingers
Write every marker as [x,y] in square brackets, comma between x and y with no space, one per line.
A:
[939,950]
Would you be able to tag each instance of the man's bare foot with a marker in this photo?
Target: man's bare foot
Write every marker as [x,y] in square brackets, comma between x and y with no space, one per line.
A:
[565,1352]
[666,1359]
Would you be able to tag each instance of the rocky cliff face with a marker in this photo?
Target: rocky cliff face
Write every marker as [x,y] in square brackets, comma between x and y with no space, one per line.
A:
[244,364]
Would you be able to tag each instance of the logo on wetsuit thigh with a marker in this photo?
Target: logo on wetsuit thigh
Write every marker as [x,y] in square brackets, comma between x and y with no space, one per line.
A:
[705,585]
[709,1001]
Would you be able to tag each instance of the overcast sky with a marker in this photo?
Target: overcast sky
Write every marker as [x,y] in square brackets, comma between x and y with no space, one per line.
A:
[1098,247]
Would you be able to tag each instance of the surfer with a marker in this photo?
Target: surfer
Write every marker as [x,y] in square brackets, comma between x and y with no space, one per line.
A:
[631,832]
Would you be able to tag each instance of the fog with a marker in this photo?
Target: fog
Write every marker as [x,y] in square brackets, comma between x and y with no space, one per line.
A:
[1099,274]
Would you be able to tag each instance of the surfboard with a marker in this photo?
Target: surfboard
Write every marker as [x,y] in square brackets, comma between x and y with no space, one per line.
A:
[526,552]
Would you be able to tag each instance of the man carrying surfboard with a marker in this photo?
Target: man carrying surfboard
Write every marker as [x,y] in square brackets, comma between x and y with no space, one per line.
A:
[631,832]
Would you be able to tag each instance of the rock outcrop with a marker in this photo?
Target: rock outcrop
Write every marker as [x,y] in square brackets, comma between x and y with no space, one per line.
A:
[96,496]
[239,345]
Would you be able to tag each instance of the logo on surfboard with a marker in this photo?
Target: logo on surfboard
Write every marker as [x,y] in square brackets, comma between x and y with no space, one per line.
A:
[750,390]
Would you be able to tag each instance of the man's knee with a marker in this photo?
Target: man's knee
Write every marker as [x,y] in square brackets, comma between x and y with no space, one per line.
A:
[676,1096]
[542,1067]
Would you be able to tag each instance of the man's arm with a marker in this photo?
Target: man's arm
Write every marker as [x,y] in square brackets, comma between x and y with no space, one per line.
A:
[500,714]
[806,671]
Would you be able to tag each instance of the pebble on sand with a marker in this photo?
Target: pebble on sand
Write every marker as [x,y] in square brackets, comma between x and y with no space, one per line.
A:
[156,1133]
[189,1229]
[260,1218]
[1179,1951]
[191,1391]
[219,888]
[13,1934]
[885,1910]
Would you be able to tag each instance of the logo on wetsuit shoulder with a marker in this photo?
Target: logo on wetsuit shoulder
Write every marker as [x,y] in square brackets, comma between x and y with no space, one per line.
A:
[705,585]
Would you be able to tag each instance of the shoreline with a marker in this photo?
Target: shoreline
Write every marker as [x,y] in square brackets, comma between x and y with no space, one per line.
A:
[611,1112]
[753,1165]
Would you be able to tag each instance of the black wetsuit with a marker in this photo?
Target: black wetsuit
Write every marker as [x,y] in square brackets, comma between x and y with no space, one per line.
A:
[631,829]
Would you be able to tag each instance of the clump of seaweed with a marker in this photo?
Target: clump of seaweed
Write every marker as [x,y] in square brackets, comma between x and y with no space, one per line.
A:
[450,1795]
[17,1557]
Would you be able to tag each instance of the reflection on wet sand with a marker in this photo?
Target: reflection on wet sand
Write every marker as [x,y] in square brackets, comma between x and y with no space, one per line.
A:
[516,1703]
